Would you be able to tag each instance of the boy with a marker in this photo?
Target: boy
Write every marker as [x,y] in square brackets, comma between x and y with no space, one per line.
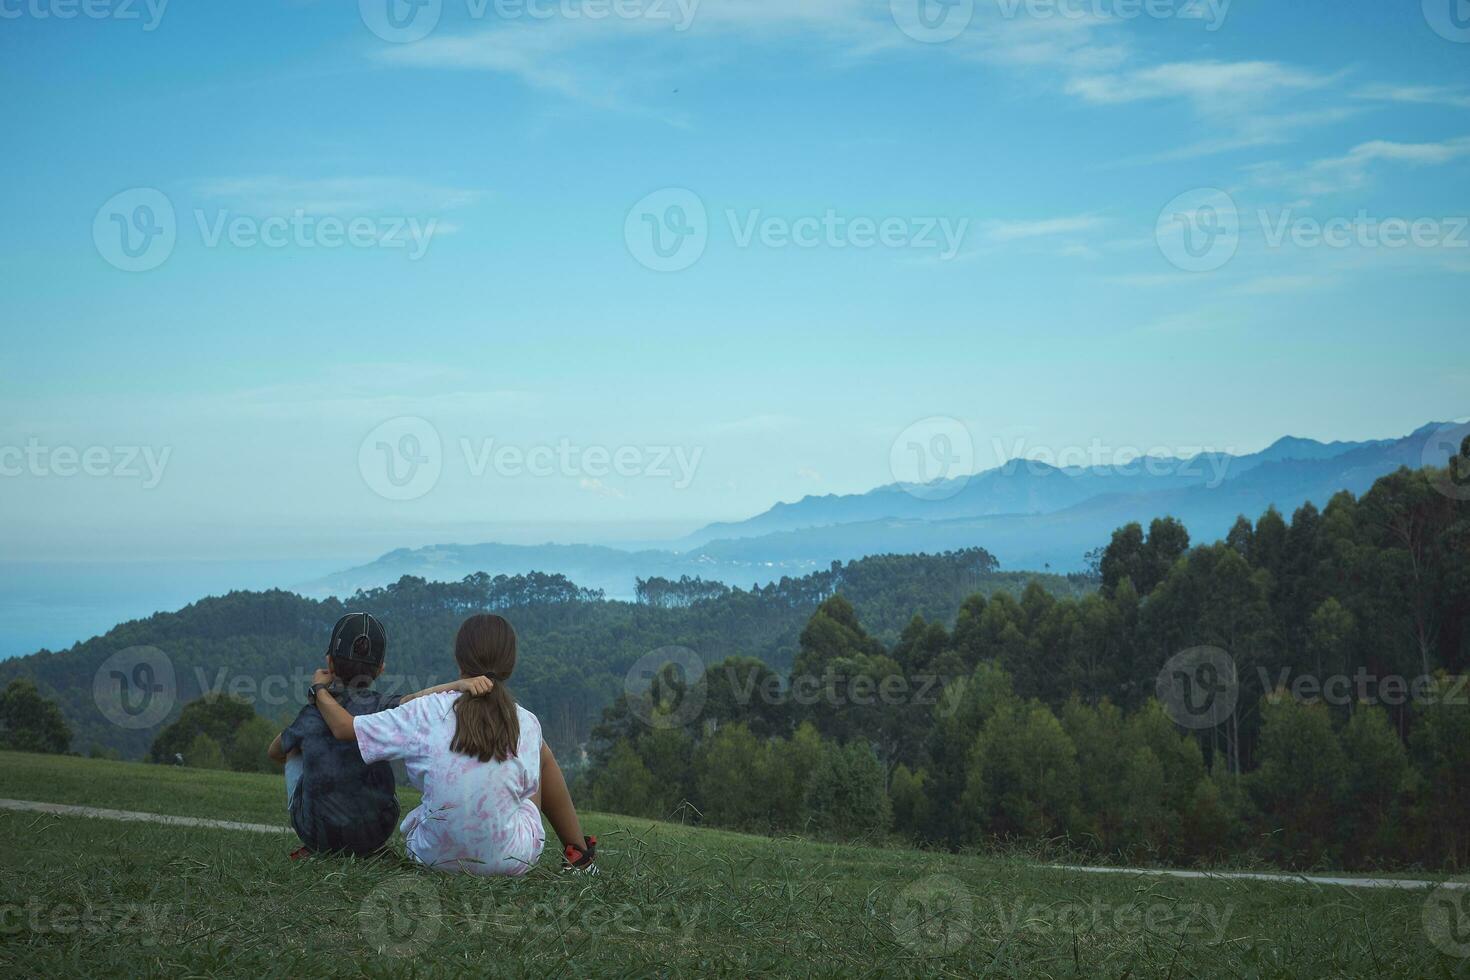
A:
[338,803]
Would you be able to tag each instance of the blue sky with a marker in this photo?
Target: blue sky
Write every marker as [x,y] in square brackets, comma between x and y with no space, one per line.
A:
[1060,149]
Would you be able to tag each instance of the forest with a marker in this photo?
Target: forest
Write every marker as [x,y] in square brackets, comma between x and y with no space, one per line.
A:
[1341,737]
[575,646]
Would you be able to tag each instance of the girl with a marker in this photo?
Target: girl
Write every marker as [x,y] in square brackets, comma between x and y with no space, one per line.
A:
[479,760]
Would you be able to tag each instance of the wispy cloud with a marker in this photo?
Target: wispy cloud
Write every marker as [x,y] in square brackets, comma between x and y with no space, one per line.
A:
[594,485]
[1354,168]
[1279,285]
[607,62]
[1243,104]
[1416,94]
[1213,86]
[1008,231]
[335,195]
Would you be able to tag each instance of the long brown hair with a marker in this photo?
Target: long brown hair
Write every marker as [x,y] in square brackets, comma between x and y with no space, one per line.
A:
[486,727]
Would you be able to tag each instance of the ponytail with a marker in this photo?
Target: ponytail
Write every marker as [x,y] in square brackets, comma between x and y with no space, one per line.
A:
[486,726]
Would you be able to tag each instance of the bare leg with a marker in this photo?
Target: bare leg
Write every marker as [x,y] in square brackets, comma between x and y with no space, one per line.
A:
[556,802]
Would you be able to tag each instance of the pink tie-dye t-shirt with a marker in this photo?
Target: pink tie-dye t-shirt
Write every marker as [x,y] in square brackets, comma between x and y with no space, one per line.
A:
[476,817]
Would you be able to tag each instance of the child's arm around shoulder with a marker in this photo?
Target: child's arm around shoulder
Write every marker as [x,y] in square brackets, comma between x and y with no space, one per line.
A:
[338,719]
[474,686]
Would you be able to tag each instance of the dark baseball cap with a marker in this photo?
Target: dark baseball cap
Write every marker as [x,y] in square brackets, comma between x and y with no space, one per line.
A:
[359,637]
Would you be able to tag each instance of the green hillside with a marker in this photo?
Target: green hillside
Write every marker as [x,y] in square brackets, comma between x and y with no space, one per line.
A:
[86,896]
[576,647]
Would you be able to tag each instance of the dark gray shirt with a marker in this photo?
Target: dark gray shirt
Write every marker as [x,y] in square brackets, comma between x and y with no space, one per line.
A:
[342,803]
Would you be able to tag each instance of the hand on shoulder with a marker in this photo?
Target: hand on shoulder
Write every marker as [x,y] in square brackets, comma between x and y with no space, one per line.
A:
[475,686]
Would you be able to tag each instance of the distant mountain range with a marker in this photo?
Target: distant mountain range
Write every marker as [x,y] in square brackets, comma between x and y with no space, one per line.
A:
[1028,514]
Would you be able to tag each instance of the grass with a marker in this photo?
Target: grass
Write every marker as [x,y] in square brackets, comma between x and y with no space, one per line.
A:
[82,896]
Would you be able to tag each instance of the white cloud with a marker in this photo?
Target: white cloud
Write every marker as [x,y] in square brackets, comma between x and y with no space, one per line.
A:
[1277,285]
[1008,231]
[1213,86]
[275,194]
[591,61]
[593,485]
[1244,104]
[1354,168]
[1419,94]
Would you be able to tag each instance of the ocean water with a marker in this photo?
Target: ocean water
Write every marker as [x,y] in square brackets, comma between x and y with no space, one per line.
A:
[54,604]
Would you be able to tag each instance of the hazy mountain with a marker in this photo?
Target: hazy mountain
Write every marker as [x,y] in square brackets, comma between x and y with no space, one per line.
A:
[1020,487]
[1028,514]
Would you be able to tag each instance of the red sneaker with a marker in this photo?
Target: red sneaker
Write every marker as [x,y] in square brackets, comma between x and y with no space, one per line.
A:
[301,852]
[581,858]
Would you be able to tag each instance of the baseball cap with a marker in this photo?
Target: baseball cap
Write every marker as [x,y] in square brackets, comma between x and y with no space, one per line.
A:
[359,637]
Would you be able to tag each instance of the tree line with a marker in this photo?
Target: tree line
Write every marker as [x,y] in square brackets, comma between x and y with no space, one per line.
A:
[1345,740]
[576,646]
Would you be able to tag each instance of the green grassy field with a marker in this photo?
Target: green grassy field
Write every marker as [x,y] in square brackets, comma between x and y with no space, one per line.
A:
[84,896]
